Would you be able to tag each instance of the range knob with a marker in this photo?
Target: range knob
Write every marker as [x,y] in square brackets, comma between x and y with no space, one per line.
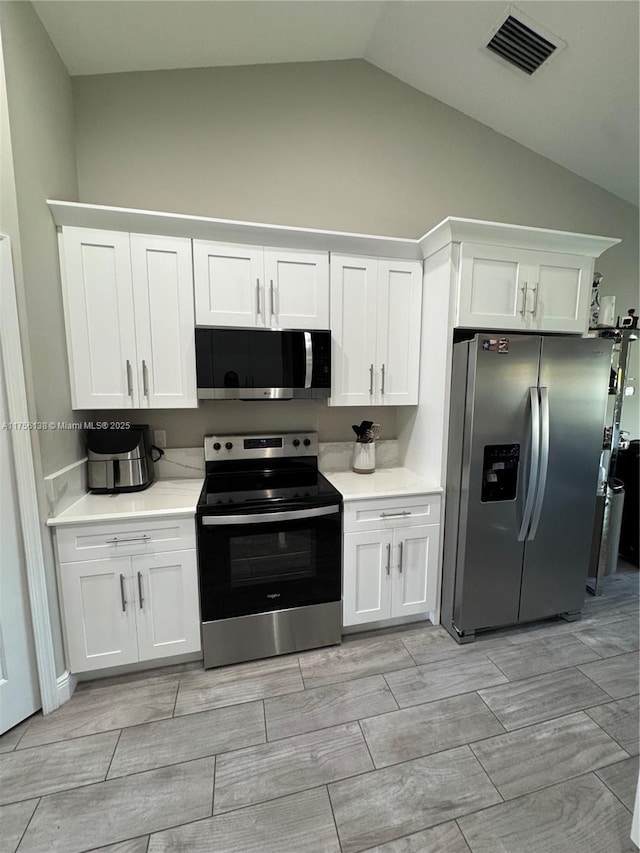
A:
[307,442]
[228,445]
[296,442]
[216,446]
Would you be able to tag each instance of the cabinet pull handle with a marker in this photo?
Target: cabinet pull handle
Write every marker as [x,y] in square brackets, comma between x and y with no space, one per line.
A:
[273,310]
[122,596]
[145,379]
[382,386]
[370,380]
[394,514]
[535,300]
[140,589]
[388,559]
[129,380]
[258,296]
[523,310]
[400,561]
[116,539]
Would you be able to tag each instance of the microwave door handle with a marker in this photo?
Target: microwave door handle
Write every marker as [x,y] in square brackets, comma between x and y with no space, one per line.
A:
[308,360]
[255,518]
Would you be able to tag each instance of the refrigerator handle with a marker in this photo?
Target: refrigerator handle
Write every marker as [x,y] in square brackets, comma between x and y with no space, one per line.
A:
[533,465]
[544,461]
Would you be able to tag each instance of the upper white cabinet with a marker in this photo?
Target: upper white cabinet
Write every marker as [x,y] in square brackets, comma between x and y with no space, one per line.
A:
[375,321]
[129,319]
[509,288]
[252,286]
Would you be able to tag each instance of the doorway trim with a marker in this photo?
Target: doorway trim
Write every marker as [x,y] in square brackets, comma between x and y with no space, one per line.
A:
[11,349]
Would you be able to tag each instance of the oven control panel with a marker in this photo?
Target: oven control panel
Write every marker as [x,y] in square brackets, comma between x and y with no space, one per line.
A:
[260,446]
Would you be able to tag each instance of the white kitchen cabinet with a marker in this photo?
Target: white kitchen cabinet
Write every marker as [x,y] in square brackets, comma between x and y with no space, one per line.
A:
[390,563]
[256,287]
[509,288]
[130,606]
[129,319]
[375,324]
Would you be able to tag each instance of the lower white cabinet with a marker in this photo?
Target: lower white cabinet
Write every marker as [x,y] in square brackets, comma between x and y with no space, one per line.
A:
[124,609]
[390,572]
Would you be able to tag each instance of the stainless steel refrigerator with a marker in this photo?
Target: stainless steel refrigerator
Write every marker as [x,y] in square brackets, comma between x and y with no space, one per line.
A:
[525,437]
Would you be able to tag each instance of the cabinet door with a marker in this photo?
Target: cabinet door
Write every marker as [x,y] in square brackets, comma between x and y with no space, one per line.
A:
[98,301]
[167,608]
[494,291]
[367,577]
[163,298]
[354,285]
[99,613]
[415,570]
[398,332]
[228,284]
[561,288]
[297,289]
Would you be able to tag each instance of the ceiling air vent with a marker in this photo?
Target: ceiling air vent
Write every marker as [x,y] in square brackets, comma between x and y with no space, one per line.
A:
[520,45]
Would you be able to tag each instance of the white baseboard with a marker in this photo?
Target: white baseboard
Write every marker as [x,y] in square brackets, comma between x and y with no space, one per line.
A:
[65,686]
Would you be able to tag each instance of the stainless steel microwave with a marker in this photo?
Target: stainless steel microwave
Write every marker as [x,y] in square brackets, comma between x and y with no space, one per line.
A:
[263,364]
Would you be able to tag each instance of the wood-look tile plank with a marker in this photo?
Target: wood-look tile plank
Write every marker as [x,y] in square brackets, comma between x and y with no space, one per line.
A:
[282,767]
[105,709]
[573,817]
[387,804]
[540,755]
[612,638]
[299,823]
[42,770]
[619,676]
[353,659]
[184,738]
[231,685]
[521,703]
[445,838]
[121,809]
[538,656]
[423,729]
[621,720]
[440,679]
[13,822]
[134,845]
[434,643]
[622,779]
[9,740]
[322,707]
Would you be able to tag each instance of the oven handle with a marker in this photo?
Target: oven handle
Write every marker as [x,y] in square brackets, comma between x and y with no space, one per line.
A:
[255,518]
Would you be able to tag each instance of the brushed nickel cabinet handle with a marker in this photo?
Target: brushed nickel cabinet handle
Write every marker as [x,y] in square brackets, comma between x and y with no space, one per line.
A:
[523,310]
[394,514]
[400,561]
[129,380]
[273,310]
[536,291]
[145,379]
[258,296]
[117,541]
[388,559]
[370,380]
[141,596]
[122,595]
[382,386]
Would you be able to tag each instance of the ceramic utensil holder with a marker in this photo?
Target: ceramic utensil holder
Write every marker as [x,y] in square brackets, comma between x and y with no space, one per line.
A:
[364,457]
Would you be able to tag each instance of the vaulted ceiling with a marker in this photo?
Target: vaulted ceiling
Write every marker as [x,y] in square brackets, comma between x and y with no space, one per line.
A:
[580,109]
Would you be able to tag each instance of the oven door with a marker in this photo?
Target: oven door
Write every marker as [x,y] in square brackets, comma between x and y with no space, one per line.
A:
[260,562]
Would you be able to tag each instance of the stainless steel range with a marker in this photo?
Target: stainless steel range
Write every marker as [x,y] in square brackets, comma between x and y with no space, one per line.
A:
[269,529]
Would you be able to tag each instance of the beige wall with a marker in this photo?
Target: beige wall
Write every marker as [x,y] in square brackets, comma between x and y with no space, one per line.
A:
[38,162]
[337,145]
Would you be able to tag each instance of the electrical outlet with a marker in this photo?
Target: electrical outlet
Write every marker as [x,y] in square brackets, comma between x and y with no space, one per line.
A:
[160,437]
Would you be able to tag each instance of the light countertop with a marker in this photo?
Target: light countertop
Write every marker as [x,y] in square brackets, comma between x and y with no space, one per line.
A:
[383,483]
[163,497]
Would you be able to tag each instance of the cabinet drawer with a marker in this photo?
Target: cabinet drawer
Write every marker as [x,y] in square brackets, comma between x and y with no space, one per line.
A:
[124,538]
[387,513]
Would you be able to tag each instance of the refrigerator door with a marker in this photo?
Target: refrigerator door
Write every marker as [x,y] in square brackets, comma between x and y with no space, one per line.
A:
[494,462]
[574,378]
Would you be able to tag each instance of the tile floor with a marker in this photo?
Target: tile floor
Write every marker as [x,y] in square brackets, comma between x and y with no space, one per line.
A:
[524,742]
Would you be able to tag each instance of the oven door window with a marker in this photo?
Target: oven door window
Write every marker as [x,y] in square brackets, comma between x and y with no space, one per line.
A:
[255,568]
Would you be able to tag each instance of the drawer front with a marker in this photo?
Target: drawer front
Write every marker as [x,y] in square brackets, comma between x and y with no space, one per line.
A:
[388,513]
[124,538]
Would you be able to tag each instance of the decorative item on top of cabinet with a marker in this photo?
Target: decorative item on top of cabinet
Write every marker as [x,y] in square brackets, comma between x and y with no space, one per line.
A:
[134,595]
[375,323]
[508,288]
[390,567]
[128,301]
[252,286]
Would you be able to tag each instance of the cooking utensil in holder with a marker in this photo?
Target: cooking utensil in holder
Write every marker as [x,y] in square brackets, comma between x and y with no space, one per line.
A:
[364,457]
